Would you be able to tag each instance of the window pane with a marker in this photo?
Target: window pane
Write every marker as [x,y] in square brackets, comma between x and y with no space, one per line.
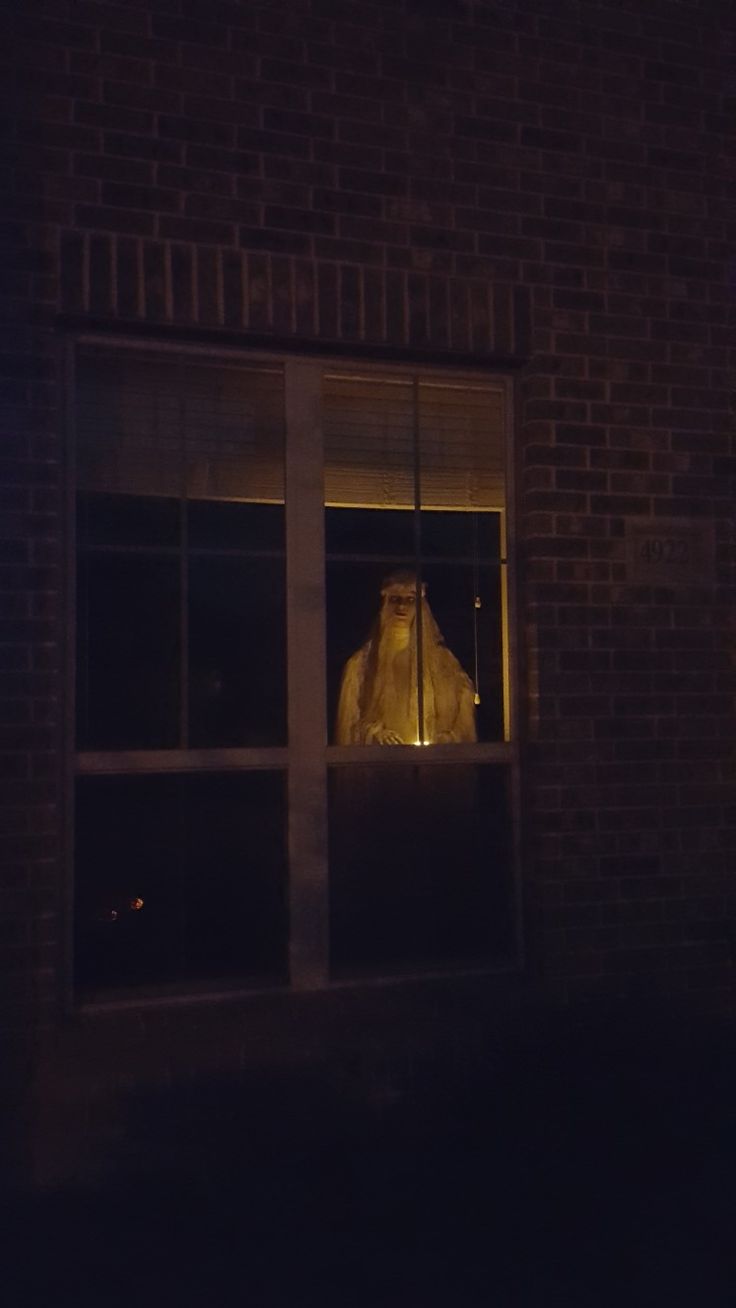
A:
[369,441]
[468,536]
[414,493]
[453,628]
[138,521]
[127,651]
[237,651]
[420,867]
[218,524]
[129,438]
[233,433]
[185,454]
[180,878]
[389,536]
[472,634]
[153,425]
[372,425]
[352,606]
[461,445]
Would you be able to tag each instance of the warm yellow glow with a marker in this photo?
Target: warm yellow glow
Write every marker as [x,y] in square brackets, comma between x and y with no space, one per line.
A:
[380,701]
[136,903]
[505,635]
[407,506]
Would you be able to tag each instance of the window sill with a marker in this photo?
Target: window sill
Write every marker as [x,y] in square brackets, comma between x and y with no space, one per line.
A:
[218,992]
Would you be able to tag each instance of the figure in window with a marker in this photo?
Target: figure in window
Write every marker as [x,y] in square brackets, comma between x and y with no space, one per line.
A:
[379,700]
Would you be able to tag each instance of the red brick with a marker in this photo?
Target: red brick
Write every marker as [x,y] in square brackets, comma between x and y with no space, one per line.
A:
[281,242]
[142,147]
[194,33]
[119,67]
[196,130]
[114,220]
[279,70]
[202,230]
[146,98]
[113,117]
[126,196]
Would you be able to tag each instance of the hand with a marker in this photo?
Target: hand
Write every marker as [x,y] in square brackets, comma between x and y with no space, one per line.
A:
[377,734]
[389,738]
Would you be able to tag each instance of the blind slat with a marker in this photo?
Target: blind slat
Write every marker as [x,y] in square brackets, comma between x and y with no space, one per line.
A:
[370,429]
[148,426]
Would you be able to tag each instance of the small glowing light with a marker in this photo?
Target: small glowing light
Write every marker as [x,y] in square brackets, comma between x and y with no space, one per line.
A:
[476,698]
[477,602]
[419,742]
[136,904]
[110,915]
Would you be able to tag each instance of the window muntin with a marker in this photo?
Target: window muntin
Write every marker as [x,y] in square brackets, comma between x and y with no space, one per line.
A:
[220,525]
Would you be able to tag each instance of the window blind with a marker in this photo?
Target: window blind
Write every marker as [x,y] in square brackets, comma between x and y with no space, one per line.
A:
[152,425]
[373,427]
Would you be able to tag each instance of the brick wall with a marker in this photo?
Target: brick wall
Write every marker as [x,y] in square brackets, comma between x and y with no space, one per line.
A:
[539,185]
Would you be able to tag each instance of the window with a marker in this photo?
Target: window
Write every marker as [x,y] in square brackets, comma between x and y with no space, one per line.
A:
[294,757]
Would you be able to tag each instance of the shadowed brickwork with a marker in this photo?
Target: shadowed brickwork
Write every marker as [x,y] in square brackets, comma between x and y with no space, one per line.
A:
[543,187]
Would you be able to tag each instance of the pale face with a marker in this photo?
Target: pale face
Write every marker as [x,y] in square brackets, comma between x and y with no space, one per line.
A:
[399,606]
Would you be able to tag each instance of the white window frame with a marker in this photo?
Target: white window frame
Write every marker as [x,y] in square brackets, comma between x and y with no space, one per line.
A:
[306,758]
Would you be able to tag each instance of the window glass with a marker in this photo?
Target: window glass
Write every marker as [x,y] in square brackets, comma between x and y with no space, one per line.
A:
[473,634]
[470,631]
[388,535]
[465,536]
[180,878]
[460,454]
[128,667]
[414,491]
[420,866]
[230,525]
[134,520]
[180,527]
[237,650]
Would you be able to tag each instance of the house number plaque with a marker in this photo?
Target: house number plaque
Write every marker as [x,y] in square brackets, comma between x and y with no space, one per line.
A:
[671,551]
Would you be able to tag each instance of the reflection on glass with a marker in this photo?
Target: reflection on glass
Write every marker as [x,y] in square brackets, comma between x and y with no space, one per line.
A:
[403,686]
[179,878]
[420,866]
